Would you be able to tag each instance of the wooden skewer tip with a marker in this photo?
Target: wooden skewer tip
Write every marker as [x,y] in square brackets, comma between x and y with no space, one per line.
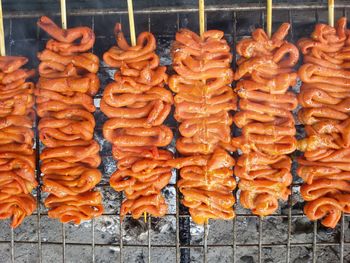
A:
[63,14]
[331,12]
[2,33]
[269,17]
[131,23]
[201,17]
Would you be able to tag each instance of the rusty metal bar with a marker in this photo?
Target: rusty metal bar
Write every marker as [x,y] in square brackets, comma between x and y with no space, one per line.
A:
[169,10]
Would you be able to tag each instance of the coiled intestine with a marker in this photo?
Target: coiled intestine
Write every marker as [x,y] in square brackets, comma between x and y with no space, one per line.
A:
[64,98]
[137,104]
[325,99]
[265,73]
[203,103]
[17,157]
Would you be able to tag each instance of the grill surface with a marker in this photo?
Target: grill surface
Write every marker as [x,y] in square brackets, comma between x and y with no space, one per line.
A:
[286,236]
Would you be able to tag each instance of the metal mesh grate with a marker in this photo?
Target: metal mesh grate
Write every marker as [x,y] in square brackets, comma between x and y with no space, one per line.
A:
[286,236]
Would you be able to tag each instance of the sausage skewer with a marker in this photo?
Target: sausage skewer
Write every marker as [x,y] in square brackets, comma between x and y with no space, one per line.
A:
[64,97]
[137,103]
[264,75]
[17,157]
[203,103]
[324,98]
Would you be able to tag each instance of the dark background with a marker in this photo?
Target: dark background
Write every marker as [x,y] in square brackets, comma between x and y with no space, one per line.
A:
[52,5]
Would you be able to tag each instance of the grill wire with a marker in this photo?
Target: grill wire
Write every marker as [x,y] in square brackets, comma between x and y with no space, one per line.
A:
[247,238]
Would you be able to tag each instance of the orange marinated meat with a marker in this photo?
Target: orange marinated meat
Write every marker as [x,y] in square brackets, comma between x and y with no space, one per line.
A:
[264,75]
[17,156]
[137,103]
[75,208]
[67,41]
[204,101]
[325,102]
[64,100]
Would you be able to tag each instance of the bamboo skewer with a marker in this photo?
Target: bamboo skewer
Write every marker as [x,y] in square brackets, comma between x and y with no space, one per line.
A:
[331,13]
[133,43]
[64,14]
[269,17]
[201,17]
[2,33]
[131,23]
[202,29]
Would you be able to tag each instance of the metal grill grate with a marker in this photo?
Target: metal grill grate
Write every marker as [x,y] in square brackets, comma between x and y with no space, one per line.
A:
[286,236]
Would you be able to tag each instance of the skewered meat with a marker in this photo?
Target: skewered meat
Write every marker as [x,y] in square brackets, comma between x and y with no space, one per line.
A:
[17,157]
[207,184]
[64,97]
[203,103]
[325,99]
[137,104]
[265,73]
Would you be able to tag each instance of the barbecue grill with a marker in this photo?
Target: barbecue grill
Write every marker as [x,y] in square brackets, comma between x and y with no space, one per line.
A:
[286,236]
